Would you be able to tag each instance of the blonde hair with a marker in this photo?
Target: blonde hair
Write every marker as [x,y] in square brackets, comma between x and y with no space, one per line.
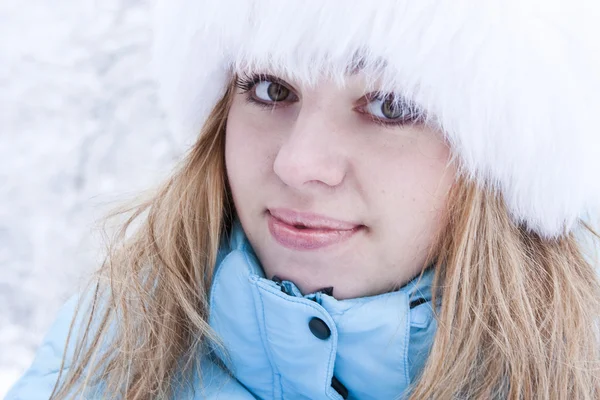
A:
[519,316]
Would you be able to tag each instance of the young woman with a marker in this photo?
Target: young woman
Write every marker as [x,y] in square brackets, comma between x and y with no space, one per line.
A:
[384,200]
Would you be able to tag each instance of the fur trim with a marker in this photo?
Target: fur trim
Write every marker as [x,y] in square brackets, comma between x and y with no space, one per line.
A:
[513,84]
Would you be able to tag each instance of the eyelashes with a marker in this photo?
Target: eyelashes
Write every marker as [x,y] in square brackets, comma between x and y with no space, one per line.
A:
[386,109]
[246,82]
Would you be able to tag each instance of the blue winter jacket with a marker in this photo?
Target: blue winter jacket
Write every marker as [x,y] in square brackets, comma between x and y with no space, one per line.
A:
[285,345]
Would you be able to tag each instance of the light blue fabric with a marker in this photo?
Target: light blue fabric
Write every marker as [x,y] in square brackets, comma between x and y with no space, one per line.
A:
[377,346]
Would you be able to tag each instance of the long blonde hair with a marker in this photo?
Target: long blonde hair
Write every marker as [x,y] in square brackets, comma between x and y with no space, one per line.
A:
[519,316]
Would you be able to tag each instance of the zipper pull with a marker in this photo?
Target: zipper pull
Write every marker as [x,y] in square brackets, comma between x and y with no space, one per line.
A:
[279,283]
[327,290]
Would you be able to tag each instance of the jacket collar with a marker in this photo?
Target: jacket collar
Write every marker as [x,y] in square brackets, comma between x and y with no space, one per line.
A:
[375,346]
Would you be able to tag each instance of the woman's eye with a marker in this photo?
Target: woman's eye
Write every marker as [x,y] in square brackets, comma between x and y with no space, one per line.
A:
[388,109]
[265,90]
[271,92]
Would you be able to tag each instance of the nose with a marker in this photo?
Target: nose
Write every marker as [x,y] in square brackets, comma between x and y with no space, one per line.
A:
[311,153]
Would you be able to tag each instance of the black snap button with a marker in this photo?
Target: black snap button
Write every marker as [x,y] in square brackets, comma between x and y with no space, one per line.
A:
[319,328]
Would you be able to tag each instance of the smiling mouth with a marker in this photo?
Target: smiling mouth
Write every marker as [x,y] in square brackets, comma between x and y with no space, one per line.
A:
[318,232]
[304,220]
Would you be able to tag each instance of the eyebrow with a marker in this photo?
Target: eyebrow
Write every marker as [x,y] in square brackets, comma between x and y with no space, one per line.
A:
[358,63]
[355,67]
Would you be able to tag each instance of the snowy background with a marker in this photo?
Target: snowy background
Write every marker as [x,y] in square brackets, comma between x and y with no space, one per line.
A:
[80,132]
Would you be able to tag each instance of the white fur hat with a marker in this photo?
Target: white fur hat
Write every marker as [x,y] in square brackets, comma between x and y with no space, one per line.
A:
[513,84]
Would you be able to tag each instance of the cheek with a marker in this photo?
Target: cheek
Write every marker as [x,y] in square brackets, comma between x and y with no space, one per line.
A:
[433,174]
[242,136]
[251,144]
[251,135]
[412,185]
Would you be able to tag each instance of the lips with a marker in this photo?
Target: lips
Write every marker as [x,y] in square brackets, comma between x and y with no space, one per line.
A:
[309,220]
[306,231]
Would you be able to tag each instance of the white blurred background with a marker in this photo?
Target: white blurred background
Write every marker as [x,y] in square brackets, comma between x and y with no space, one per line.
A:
[80,132]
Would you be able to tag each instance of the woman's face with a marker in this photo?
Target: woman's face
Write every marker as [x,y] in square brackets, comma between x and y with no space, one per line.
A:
[334,186]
